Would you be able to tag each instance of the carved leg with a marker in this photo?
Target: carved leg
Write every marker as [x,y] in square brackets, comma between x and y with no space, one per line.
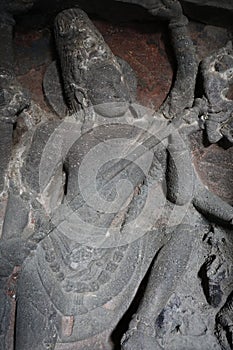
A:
[212,206]
[35,313]
[165,275]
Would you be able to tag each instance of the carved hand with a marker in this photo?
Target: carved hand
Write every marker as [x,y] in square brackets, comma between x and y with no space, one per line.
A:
[166,9]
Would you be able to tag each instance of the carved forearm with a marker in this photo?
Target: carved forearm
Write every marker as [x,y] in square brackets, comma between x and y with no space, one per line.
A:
[182,93]
[211,205]
[180,177]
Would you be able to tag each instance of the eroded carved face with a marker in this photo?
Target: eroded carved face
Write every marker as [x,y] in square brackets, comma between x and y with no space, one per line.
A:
[108,91]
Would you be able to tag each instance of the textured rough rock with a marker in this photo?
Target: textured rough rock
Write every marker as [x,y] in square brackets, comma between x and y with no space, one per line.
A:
[224,324]
[76,284]
[212,11]
[216,73]
[14,7]
[13,99]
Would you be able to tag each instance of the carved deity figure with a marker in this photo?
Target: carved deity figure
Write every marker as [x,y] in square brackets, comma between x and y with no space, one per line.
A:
[105,202]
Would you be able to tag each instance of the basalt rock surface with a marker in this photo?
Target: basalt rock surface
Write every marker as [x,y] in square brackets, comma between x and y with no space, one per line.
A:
[110,239]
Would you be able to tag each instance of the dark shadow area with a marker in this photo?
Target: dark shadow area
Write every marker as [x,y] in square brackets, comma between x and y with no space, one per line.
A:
[224,143]
[44,12]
